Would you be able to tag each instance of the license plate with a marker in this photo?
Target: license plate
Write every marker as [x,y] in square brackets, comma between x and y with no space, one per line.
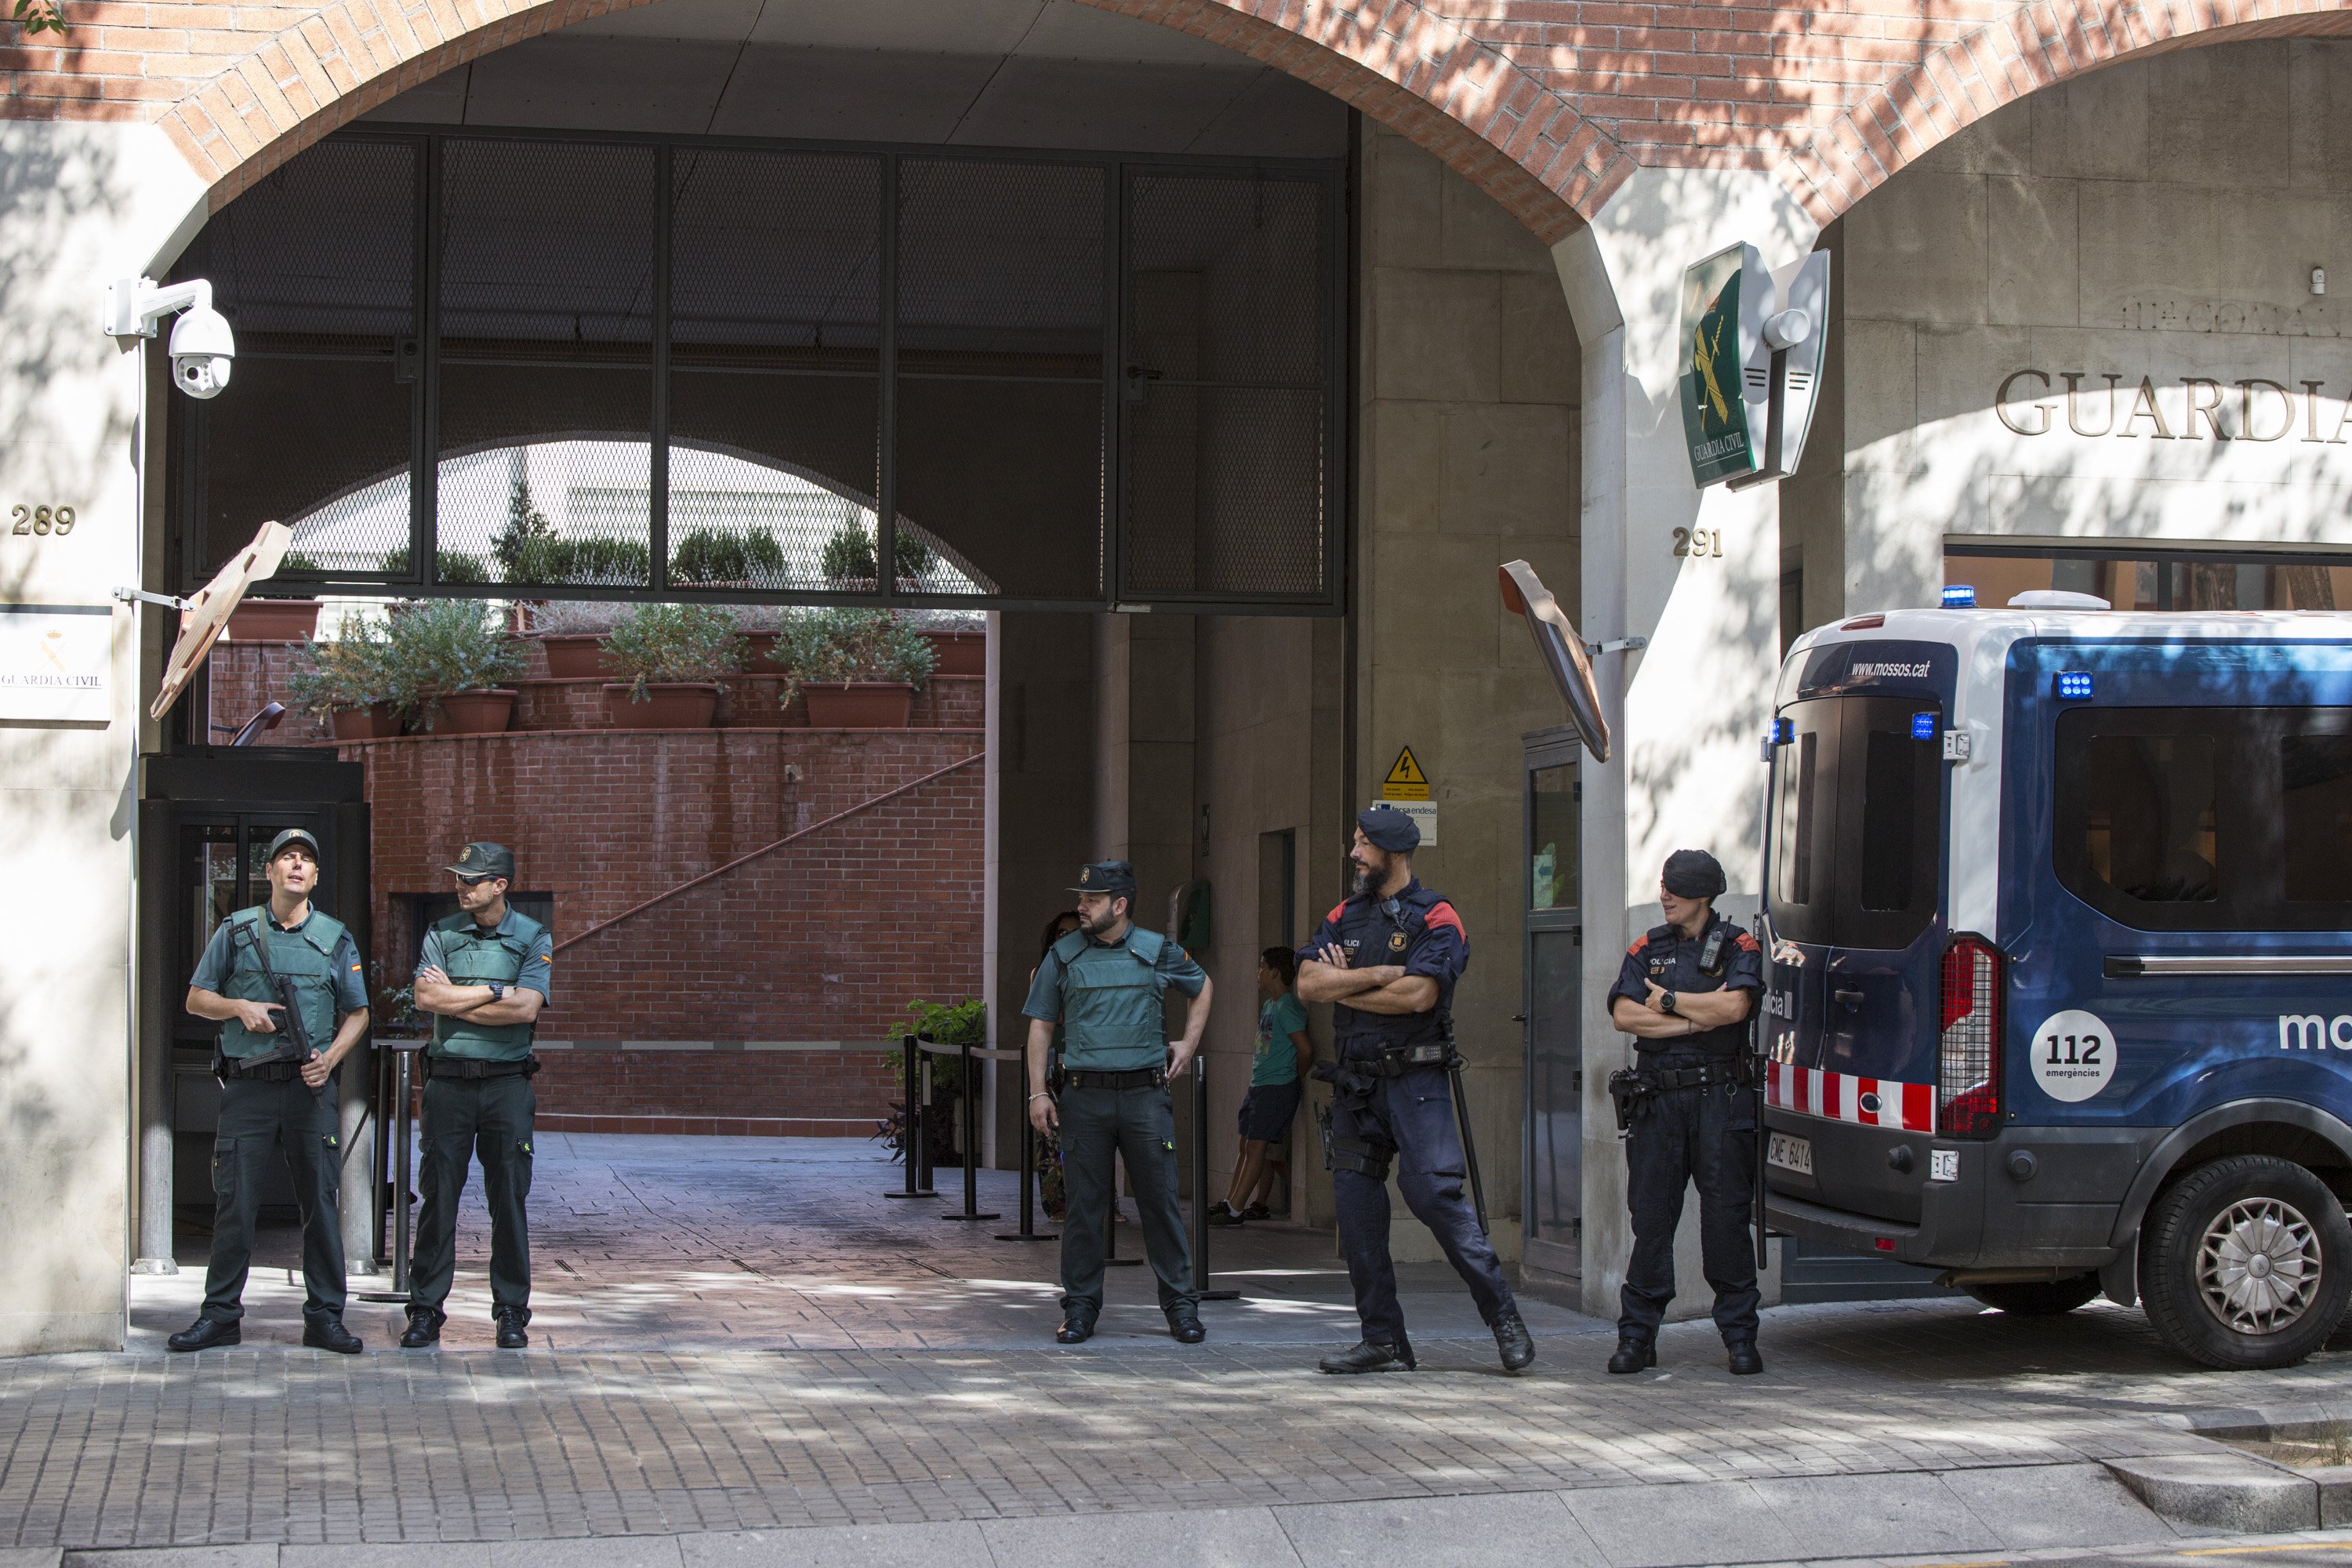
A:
[1791,1153]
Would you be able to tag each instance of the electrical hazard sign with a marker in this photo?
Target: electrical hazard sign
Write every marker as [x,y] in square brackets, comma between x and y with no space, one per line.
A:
[1405,780]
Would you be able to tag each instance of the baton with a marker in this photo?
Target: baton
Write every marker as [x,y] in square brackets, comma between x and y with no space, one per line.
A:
[1469,1143]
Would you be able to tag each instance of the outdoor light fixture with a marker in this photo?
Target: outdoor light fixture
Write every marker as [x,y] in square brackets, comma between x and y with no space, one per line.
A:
[1960,596]
[202,343]
[2074,684]
[2319,280]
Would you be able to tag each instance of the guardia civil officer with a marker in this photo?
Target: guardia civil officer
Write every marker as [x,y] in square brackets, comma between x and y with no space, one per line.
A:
[277,1073]
[1388,956]
[1106,984]
[1684,994]
[483,975]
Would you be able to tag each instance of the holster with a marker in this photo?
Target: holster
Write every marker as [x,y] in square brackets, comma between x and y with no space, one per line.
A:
[1632,1091]
[1362,1155]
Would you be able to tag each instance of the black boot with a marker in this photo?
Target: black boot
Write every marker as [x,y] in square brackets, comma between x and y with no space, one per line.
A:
[1745,1361]
[329,1334]
[1517,1345]
[1370,1357]
[206,1333]
[1633,1355]
[510,1321]
[1184,1325]
[1075,1329]
[424,1328]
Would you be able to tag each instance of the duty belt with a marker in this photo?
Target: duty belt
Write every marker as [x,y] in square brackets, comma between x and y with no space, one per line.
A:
[473,1067]
[1140,1077]
[260,1072]
[1395,1061]
[1740,1069]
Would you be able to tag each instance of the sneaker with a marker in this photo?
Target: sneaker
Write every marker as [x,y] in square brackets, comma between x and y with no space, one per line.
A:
[1258,1211]
[1222,1213]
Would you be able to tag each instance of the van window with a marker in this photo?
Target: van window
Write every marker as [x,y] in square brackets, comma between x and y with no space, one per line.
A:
[2149,834]
[2315,783]
[1807,787]
[1857,826]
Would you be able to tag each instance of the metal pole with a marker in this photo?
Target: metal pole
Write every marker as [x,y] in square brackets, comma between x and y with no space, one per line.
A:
[1028,1231]
[1469,1143]
[910,1130]
[399,1122]
[1201,1183]
[968,1109]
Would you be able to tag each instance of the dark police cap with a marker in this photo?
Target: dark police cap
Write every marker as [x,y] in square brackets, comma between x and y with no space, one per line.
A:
[1693,874]
[485,860]
[300,835]
[1108,877]
[1386,827]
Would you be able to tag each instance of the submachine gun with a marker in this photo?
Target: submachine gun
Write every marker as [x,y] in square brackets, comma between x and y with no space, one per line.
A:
[294,1035]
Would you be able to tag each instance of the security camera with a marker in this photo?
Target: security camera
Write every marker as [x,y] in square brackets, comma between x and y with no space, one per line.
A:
[202,343]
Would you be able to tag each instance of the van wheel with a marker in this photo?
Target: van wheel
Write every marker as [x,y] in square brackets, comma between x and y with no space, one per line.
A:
[2037,1298]
[2247,1263]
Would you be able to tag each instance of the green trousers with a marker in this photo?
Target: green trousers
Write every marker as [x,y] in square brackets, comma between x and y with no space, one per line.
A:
[465,1119]
[260,1121]
[1139,1126]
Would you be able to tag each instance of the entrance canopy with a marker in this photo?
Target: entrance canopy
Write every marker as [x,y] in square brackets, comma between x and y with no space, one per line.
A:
[701,368]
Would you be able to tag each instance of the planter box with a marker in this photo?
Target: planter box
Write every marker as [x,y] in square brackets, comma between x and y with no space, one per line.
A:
[760,654]
[860,705]
[574,658]
[483,712]
[273,620]
[960,653]
[377,722]
[686,705]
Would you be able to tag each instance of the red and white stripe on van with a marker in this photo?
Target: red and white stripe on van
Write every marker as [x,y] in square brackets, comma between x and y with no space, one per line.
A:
[1841,1096]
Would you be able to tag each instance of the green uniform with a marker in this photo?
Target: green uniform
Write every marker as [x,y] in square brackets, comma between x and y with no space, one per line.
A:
[479,1104]
[270,1111]
[1110,1000]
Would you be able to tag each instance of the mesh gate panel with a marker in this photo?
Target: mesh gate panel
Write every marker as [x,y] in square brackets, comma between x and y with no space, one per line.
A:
[775,386]
[1227,410]
[315,269]
[546,380]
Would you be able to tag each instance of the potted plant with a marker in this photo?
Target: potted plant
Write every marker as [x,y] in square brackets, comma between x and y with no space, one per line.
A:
[278,620]
[718,559]
[348,681]
[945,1024]
[448,565]
[572,632]
[763,628]
[450,662]
[672,657]
[958,640]
[860,668]
[846,562]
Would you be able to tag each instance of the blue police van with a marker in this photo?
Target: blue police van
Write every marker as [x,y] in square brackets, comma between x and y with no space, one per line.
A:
[2058,904]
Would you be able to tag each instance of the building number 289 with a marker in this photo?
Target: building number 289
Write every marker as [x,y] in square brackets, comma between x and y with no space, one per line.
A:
[57,521]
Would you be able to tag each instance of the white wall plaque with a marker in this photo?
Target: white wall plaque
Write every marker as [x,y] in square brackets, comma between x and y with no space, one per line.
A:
[55,660]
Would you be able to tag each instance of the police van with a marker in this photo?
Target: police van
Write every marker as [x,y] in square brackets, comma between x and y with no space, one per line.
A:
[2058,908]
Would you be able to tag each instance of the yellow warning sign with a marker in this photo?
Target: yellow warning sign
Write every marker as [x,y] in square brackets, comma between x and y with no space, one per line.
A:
[1405,780]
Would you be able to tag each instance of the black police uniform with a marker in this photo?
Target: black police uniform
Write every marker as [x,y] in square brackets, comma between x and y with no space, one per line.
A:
[1692,1131]
[1393,1105]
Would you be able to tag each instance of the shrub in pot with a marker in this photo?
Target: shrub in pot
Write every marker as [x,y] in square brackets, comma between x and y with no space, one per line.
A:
[859,669]
[572,632]
[451,663]
[742,560]
[672,658]
[847,560]
[348,681]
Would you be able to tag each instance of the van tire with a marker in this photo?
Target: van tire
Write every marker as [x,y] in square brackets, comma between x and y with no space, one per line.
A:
[2196,1273]
[2037,1297]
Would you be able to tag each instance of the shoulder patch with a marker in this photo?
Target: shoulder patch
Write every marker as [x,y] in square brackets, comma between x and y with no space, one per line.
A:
[1441,913]
[1746,943]
[1337,910]
[1639,944]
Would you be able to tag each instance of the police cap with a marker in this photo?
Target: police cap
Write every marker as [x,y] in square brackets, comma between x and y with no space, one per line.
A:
[300,835]
[1386,827]
[481,860]
[1113,878]
[1693,874]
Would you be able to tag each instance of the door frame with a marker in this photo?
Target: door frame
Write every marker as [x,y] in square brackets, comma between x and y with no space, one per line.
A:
[1540,749]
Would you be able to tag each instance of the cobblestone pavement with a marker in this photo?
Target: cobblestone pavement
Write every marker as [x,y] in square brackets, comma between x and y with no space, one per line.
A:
[935,1400]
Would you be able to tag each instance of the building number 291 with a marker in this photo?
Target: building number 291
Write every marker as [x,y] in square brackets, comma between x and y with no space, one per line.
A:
[57,521]
[1707,542]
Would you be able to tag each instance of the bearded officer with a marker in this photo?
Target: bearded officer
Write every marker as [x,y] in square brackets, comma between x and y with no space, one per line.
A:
[1684,994]
[483,975]
[275,1092]
[1106,984]
[1387,957]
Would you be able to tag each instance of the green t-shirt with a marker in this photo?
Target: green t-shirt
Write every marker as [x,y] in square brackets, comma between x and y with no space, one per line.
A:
[1276,1058]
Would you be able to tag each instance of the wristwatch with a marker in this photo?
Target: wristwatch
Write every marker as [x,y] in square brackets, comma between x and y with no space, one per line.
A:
[498,992]
[1666,1000]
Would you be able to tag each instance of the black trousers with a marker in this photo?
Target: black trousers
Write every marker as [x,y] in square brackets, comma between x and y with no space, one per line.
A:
[1138,1125]
[260,1120]
[466,1118]
[1692,1137]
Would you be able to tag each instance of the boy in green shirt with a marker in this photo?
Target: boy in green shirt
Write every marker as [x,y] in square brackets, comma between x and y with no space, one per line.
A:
[1277,1071]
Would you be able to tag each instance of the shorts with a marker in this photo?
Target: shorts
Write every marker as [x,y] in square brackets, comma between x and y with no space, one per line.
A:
[1268,1110]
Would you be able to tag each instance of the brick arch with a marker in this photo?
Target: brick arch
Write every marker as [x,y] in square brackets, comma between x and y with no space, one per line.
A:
[2036,46]
[1468,100]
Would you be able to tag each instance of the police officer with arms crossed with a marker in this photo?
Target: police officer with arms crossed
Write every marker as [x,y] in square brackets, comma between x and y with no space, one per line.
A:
[483,975]
[1389,956]
[1684,994]
[276,1093]
[1106,983]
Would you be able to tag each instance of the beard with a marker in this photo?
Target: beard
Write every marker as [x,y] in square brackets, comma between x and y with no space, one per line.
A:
[1367,877]
[1096,927]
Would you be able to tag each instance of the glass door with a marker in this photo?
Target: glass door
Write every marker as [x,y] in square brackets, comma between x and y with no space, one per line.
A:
[1554,1198]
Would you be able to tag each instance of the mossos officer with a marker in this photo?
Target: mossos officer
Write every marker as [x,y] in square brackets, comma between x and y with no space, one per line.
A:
[288,987]
[1106,984]
[483,975]
[1388,958]
[1688,1110]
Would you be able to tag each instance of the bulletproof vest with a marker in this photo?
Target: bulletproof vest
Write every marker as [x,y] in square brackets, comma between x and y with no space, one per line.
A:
[305,957]
[1114,1015]
[1672,960]
[472,955]
[1379,940]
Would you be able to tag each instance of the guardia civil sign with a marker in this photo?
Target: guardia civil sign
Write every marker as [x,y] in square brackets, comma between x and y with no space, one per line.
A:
[1720,307]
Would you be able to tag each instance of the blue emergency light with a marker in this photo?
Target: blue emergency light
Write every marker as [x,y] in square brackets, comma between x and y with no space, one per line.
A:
[1923,726]
[1784,731]
[1960,596]
[2074,684]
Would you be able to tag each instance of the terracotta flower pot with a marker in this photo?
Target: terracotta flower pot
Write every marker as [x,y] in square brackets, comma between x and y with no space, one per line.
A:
[860,705]
[960,653]
[376,721]
[273,620]
[760,654]
[483,712]
[681,705]
[574,658]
